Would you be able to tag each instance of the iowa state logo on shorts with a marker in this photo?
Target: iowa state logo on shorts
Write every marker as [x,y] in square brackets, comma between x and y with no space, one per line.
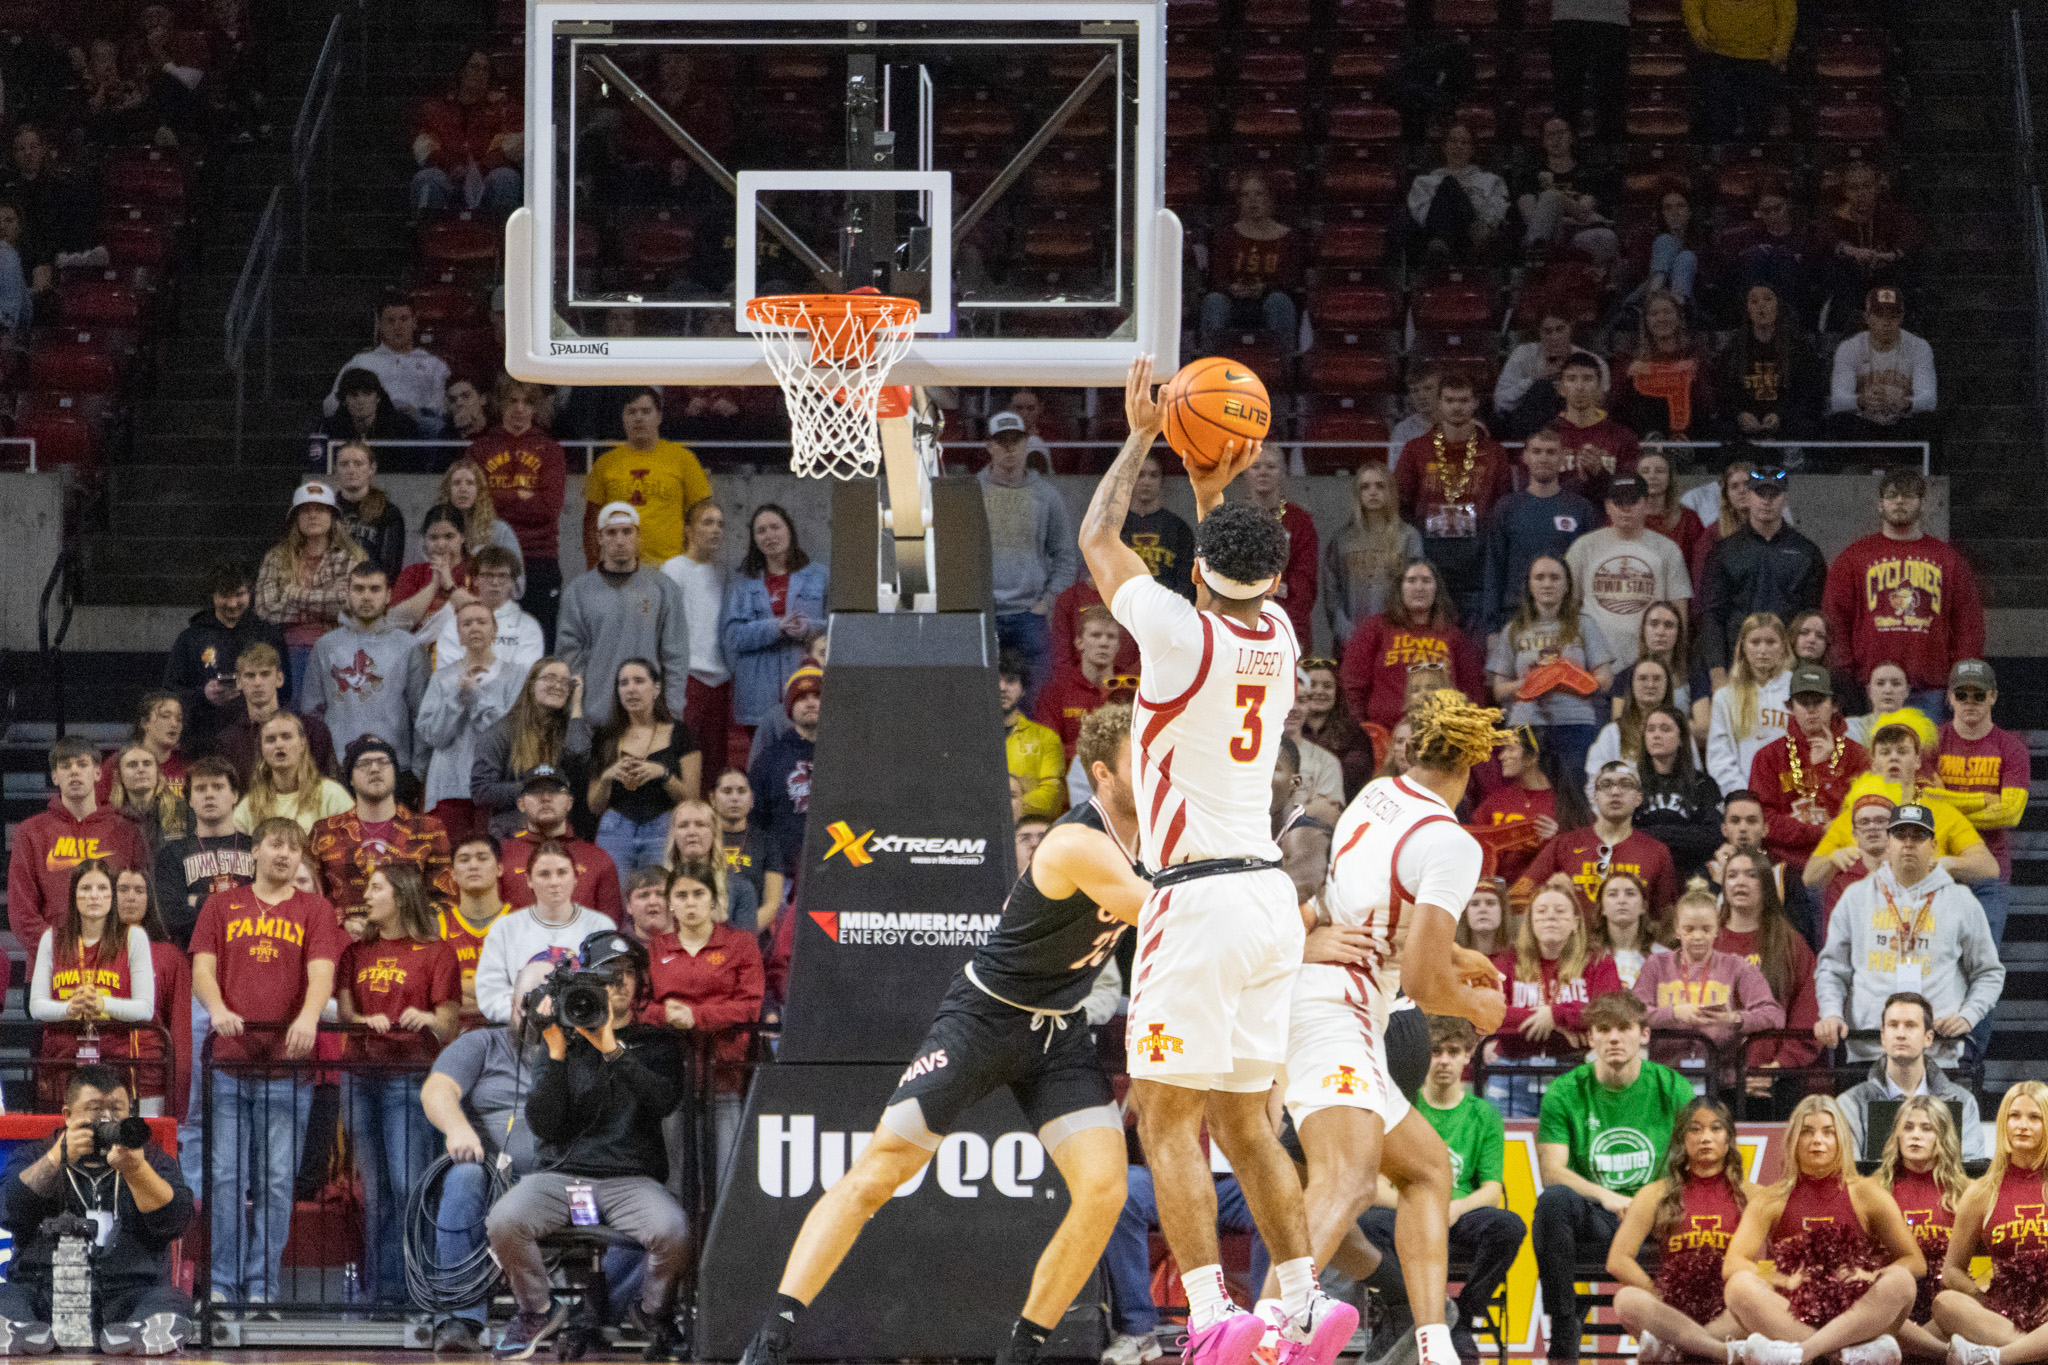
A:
[1155,1042]
[1344,1080]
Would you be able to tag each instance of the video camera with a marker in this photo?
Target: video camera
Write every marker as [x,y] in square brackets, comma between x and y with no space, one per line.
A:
[582,997]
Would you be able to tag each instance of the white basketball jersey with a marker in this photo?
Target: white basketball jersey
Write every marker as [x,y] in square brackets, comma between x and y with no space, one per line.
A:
[1396,847]
[1206,725]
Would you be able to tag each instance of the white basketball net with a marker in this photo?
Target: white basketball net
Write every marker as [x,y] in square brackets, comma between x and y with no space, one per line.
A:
[832,354]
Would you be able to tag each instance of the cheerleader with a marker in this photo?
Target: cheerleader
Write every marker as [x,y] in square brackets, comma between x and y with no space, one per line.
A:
[1923,1168]
[1690,1215]
[1843,1261]
[2002,1217]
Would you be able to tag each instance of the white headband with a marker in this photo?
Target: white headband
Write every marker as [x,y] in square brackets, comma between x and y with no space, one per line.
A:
[1225,586]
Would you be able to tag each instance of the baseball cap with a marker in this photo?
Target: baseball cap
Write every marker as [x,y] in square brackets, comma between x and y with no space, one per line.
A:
[1915,815]
[1769,478]
[545,775]
[1005,422]
[1883,299]
[617,514]
[1973,673]
[1624,490]
[1810,677]
[314,491]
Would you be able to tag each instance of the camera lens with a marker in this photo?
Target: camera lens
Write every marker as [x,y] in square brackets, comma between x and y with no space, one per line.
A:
[584,1004]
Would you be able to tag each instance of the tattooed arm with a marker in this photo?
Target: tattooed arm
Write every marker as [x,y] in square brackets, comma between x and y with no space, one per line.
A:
[1111,562]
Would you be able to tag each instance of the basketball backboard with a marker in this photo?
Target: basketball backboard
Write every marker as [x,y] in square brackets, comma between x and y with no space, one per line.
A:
[1000,163]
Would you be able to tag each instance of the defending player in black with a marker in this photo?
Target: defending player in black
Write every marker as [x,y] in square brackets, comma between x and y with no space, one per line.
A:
[1009,1018]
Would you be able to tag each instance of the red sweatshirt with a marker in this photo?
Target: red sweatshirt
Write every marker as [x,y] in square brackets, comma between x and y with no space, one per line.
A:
[1796,814]
[1420,489]
[1065,622]
[1576,853]
[47,847]
[527,475]
[1567,1001]
[1802,1011]
[1066,701]
[1587,450]
[1374,673]
[1297,591]
[597,876]
[1684,530]
[1914,603]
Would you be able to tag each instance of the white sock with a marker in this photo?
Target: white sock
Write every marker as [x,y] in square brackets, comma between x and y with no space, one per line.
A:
[1208,1301]
[1433,1344]
[1297,1284]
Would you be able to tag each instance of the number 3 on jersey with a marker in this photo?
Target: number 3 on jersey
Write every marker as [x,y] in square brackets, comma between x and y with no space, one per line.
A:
[1244,745]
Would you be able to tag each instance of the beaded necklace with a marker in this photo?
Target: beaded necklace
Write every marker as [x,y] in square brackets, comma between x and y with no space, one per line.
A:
[1441,465]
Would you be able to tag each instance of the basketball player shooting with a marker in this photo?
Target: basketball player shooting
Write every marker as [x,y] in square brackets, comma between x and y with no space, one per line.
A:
[1220,938]
[1007,1019]
[1402,872]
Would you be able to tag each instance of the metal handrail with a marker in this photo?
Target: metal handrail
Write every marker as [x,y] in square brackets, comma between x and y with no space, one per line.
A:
[252,299]
[2027,186]
[61,584]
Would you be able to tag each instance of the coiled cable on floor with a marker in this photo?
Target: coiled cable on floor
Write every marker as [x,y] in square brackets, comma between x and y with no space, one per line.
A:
[443,1287]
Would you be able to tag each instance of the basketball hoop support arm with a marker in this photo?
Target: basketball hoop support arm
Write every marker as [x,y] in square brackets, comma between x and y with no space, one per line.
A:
[609,71]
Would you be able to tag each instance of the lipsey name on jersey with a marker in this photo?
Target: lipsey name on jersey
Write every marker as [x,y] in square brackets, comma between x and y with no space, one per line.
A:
[795,1157]
[862,849]
[920,930]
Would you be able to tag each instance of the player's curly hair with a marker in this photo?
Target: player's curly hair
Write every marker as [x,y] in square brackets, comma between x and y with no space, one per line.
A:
[1104,730]
[1448,732]
[1243,542]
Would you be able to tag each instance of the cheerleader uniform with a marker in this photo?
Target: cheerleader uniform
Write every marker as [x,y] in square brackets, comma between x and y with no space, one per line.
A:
[1689,1272]
[1819,1234]
[2016,1238]
[1925,1206]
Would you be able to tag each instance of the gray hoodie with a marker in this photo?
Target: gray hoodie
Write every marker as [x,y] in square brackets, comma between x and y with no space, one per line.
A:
[359,682]
[1855,1102]
[1035,554]
[1958,967]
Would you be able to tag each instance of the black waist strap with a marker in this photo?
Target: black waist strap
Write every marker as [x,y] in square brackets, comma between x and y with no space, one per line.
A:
[1210,867]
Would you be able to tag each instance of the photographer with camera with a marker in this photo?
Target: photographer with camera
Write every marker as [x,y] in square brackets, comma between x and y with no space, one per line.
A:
[597,1107]
[103,1183]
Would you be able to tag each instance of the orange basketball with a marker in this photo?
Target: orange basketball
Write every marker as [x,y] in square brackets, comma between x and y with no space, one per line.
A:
[1212,402]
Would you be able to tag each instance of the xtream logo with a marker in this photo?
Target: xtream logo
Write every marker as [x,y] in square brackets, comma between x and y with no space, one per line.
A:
[1622,1158]
[934,930]
[796,1157]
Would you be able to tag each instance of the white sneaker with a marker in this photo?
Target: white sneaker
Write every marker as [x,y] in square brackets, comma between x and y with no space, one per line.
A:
[1961,1352]
[1883,1350]
[1132,1348]
[1651,1351]
[1762,1350]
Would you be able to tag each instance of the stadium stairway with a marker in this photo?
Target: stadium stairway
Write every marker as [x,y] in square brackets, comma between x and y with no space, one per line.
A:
[179,498]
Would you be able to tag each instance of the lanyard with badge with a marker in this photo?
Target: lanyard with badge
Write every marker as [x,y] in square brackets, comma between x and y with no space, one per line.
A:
[1906,938]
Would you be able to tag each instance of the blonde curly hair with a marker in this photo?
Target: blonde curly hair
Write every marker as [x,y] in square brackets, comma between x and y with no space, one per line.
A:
[1449,732]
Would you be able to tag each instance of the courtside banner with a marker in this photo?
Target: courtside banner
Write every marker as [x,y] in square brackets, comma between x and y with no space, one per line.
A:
[908,850]
[937,1274]
[1526,1325]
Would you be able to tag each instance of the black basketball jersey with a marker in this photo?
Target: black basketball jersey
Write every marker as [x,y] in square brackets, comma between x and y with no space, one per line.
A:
[1045,954]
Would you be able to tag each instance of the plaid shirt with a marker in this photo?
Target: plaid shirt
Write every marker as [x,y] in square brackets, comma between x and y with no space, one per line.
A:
[346,863]
[288,602]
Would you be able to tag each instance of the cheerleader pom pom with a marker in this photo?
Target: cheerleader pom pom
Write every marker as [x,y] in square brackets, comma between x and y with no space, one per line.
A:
[1934,1246]
[1821,1257]
[2019,1290]
[1691,1282]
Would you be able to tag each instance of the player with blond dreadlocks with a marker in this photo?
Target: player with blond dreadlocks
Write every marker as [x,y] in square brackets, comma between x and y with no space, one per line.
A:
[1403,871]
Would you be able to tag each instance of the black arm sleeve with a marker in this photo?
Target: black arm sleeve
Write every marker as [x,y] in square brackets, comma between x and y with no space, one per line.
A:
[652,1069]
[548,1109]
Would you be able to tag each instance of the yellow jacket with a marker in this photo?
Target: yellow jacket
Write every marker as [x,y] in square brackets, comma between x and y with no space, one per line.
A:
[1036,757]
[1747,30]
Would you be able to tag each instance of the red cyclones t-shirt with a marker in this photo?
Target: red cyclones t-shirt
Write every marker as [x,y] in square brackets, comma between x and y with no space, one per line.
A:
[389,976]
[1914,603]
[260,956]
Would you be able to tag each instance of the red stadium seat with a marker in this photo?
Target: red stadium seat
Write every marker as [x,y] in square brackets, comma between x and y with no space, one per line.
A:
[1536,75]
[978,115]
[1659,113]
[1057,244]
[1571,287]
[456,241]
[1465,354]
[1365,60]
[69,366]
[1351,244]
[651,248]
[787,66]
[1354,307]
[1365,123]
[1655,13]
[150,177]
[1534,116]
[1453,305]
[1257,121]
[98,302]
[1657,55]
[1849,54]
[1479,120]
[1850,118]
[1343,425]
[1348,363]
[1380,16]
[1363,178]
[1467,13]
[1190,62]
[1263,358]
[1184,14]
[1654,168]
[1275,165]
[1186,185]
[435,304]
[133,244]
[1277,14]
[1272,68]
[1187,120]
[1061,182]
[61,437]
